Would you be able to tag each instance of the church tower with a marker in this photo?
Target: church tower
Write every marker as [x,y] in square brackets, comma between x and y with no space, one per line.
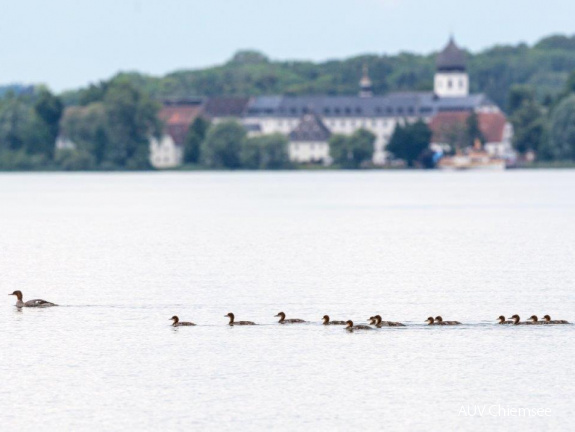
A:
[365,84]
[451,79]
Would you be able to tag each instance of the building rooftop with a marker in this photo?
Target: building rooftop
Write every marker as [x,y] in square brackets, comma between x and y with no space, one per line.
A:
[310,128]
[177,119]
[408,104]
[451,59]
[226,106]
[446,125]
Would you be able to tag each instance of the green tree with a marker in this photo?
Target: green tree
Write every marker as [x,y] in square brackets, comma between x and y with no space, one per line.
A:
[472,130]
[194,138]
[265,152]
[222,146]
[21,129]
[518,95]
[49,109]
[87,127]
[352,151]
[410,141]
[131,121]
[75,160]
[529,126]
[561,142]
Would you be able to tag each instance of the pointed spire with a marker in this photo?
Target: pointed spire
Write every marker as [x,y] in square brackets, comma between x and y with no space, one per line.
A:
[365,84]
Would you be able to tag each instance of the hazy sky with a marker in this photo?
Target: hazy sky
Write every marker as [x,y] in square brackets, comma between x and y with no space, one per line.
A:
[69,43]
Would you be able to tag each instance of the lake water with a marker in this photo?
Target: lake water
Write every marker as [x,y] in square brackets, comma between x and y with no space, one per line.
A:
[122,253]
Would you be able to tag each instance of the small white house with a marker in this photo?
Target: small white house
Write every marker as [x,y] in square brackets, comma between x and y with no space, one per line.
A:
[177,116]
[308,142]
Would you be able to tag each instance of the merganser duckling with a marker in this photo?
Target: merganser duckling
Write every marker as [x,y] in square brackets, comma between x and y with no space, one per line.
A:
[516,320]
[503,321]
[534,320]
[283,319]
[380,323]
[431,321]
[351,327]
[547,320]
[177,322]
[439,321]
[326,321]
[233,323]
[372,320]
[30,303]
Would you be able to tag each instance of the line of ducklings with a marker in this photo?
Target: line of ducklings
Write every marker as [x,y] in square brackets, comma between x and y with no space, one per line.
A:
[375,321]
[532,320]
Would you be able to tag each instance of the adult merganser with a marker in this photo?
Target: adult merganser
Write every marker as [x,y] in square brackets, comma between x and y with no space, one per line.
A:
[503,321]
[283,319]
[326,321]
[351,327]
[380,323]
[233,323]
[547,320]
[30,303]
[440,321]
[177,322]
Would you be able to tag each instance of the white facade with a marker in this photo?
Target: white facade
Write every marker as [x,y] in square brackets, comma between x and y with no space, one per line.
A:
[451,84]
[381,127]
[503,149]
[309,152]
[165,153]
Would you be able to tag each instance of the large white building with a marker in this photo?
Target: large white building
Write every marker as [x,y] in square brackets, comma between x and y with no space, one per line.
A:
[446,106]
[377,114]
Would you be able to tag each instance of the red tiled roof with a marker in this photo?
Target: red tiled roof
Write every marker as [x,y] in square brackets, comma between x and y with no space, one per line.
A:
[443,124]
[178,118]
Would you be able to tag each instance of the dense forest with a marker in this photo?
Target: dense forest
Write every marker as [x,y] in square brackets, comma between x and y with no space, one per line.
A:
[545,66]
[110,121]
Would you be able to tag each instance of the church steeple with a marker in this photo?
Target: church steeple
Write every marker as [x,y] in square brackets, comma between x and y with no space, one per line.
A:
[365,84]
[451,79]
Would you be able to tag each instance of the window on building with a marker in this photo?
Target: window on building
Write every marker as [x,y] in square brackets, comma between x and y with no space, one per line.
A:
[449,84]
[348,110]
[461,83]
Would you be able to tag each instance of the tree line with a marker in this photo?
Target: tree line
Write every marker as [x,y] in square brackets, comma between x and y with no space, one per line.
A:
[110,123]
[543,66]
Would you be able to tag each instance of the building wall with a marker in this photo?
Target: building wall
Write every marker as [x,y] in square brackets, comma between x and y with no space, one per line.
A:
[381,127]
[504,148]
[309,151]
[451,84]
[165,153]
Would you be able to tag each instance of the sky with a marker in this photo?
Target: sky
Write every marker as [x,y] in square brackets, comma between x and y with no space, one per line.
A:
[67,44]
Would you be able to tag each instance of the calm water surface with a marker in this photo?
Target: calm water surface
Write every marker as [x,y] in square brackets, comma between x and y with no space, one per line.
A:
[122,253]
